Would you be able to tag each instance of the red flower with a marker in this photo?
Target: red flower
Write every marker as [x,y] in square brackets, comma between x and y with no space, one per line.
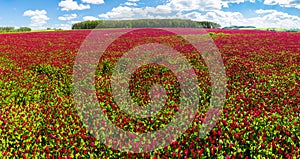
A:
[76,149]
[47,149]
[174,154]
[83,136]
[186,151]
[212,151]
[280,151]
[92,144]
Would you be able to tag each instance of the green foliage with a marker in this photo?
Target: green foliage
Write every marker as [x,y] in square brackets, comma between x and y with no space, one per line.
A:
[54,29]
[12,29]
[145,23]
[48,70]
[56,75]
[87,24]
[213,34]
[23,29]
[239,27]
[7,29]
[207,24]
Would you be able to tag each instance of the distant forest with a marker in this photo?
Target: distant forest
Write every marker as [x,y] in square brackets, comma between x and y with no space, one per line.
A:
[239,27]
[145,23]
[13,29]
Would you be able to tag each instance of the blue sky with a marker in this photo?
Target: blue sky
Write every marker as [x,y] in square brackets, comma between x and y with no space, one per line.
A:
[41,14]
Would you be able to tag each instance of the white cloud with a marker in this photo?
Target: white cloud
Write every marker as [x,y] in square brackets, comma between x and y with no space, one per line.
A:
[171,6]
[125,12]
[34,13]
[93,1]
[202,5]
[211,11]
[86,18]
[67,17]
[67,5]
[284,3]
[130,4]
[160,9]
[66,26]
[220,17]
[226,2]
[188,5]
[119,13]
[63,26]
[261,11]
[38,17]
[75,21]
[264,18]
[274,18]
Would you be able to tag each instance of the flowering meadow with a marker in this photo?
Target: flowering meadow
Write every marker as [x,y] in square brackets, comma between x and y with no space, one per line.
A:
[260,117]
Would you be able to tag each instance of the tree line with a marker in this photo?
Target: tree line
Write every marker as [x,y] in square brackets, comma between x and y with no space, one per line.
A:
[239,27]
[13,29]
[145,23]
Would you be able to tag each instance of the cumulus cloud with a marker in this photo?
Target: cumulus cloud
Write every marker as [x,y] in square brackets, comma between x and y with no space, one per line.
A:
[277,19]
[93,1]
[119,13]
[75,21]
[63,26]
[67,17]
[125,12]
[204,10]
[66,26]
[261,11]
[226,2]
[86,18]
[284,3]
[67,5]
[130,4]
[264,18]
[38,17]
[171,6]
[186,5]
[202,5]
[221,17]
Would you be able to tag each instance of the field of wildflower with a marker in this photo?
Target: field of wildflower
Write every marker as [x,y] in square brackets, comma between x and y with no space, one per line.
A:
[260,117]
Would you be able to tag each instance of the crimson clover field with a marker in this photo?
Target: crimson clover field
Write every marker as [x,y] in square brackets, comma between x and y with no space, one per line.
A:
[260,117]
